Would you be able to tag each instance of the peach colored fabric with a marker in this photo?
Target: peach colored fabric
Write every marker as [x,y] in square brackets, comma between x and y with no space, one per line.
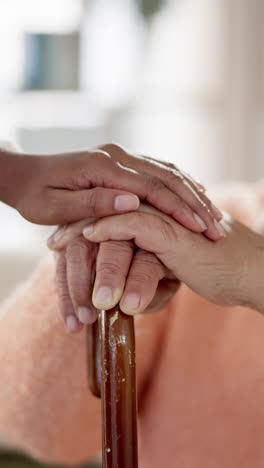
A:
[200,377]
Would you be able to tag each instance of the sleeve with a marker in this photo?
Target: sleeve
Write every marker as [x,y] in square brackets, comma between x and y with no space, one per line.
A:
[46,408]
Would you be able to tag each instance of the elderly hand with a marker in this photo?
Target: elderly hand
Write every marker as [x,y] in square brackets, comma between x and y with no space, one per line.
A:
[228,272]
[108,180]
[121,273]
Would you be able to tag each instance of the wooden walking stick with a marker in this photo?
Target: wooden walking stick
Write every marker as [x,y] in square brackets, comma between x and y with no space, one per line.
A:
[112,374]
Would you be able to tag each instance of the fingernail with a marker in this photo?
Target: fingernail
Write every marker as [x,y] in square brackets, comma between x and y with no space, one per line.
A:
[217,213]
[86,315]
[72,323]
[131,301]
[220,229]
[200,221]
[126,202]
[88,230]
[103,297]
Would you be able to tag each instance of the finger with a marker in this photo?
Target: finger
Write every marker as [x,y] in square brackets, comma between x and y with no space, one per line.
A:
[173,179]
[81,256]
[142,282]
[69,205]
[200,187]
[65,233]
[194,185]
[157,194]
[65,304]
[203,207]
[162,187]
[112,266]
[197,202]
[156,234]
[165,292]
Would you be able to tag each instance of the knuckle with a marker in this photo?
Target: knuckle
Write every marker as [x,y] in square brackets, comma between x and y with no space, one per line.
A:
[146,258]
[60,274]
[116,248]
[63,297]
[155,184]
[140,222]
[101,155]
[146,268]
[77,243]
[171,166]
[174,175]
[112,148]
[142,275]
[107,269]
[76,250]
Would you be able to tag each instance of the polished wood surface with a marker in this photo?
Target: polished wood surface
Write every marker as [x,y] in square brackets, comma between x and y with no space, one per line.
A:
[118,389]
[114,334]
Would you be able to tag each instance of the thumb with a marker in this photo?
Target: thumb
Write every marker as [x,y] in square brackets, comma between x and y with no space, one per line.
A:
[96,202]
[148,231]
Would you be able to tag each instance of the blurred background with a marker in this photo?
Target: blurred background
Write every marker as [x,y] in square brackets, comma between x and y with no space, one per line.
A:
[178,79]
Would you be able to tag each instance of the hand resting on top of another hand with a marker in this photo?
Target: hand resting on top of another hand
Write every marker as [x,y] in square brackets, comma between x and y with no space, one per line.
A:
[107,180]
[228,272]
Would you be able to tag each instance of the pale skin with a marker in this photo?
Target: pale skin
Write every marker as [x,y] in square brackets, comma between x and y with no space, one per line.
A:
[228,272]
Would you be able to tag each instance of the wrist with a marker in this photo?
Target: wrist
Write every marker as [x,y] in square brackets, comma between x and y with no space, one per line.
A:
[13,172]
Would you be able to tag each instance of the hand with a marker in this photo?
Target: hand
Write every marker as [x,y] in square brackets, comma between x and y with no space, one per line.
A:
[69,187]
[121,272]
[228,272]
